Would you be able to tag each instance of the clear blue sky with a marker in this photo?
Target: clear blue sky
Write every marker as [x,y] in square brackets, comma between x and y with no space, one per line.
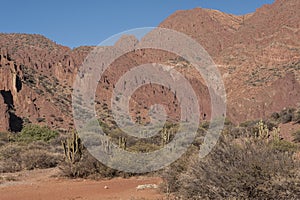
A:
[88,22]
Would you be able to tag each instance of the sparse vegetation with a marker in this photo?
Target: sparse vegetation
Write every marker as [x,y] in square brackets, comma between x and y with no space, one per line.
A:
[78,162]
[242,169]
[32,133]
[15,156]
[29,149]
[256,54]
[287,115]
[297,136]
[251,161]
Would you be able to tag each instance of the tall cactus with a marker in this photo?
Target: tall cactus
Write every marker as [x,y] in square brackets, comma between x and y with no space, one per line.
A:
[276,134]
[72,148]
[165,136]
[122,142]
[264,133]
[263,130]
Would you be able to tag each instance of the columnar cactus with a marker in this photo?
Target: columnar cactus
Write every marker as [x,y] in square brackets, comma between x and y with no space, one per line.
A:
[122,142]
[165,136]
[72,148]
[276,134]
[106,146]
[263,130]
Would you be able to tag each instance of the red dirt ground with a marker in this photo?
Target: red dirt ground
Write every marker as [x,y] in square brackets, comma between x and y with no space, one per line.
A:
[41,185]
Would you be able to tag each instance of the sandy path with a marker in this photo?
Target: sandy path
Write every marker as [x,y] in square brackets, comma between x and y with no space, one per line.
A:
[39,186]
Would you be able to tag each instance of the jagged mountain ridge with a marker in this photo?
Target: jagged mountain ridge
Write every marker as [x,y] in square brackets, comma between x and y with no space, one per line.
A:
[258,55]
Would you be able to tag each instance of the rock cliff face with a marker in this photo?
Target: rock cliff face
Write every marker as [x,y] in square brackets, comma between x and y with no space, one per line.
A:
[258,55]
[29,96]
[10,85]
[254,53]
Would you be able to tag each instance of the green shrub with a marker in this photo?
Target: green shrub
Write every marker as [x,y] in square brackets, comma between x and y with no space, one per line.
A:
[296,136]
[283,146]
[32,133]
[286,115]
[143,147]
[275,116]
[286,118]
[250,123]
[5,137]
[296,117]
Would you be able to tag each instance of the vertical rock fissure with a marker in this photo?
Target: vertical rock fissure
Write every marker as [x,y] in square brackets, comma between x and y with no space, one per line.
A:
[15,122]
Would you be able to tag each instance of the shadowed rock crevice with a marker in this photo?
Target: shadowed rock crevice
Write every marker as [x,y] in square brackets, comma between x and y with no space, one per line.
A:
[8,99]
[18,83]
[15,122]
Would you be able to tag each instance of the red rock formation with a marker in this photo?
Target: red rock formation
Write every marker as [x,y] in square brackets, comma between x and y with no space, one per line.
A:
[258,55]
[4,118]
[252,52]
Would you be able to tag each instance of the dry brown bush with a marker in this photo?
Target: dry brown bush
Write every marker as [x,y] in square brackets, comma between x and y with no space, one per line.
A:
[16,156]
[240,169]
[86,167]
[39,159]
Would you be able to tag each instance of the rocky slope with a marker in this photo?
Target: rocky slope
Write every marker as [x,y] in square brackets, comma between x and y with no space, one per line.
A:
[258,55]
[29,96]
